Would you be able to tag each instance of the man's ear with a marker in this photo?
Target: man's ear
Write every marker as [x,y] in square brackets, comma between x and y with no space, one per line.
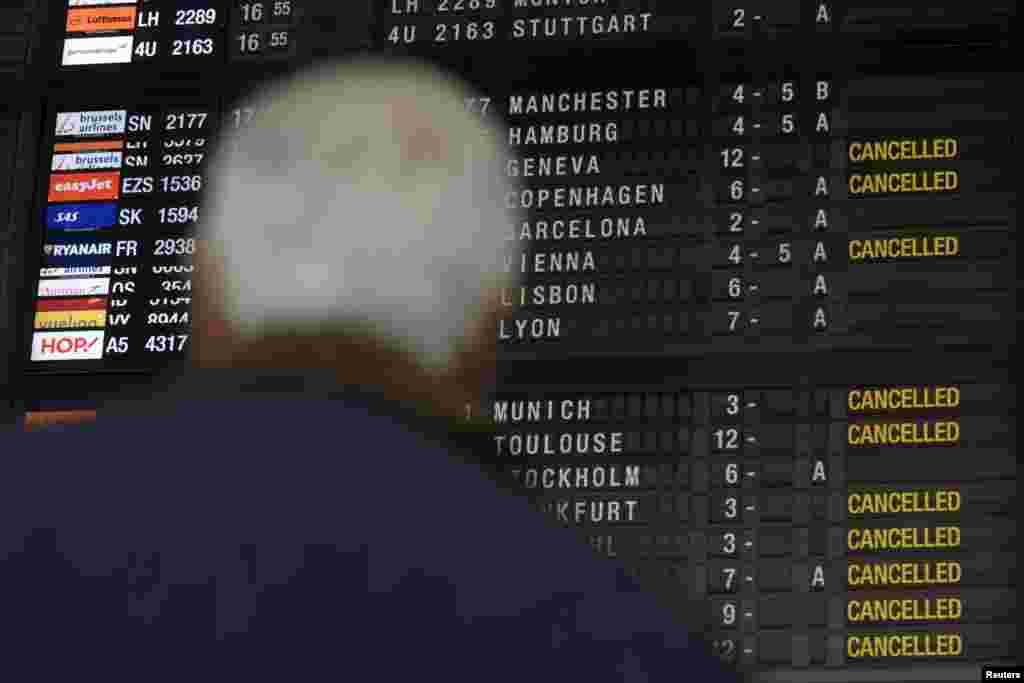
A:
[474,364]
[213,337]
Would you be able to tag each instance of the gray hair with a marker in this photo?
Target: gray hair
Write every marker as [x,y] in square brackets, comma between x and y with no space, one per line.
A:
[363,196]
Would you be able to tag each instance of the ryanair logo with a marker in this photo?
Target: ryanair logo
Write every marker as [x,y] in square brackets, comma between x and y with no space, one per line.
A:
[79,249]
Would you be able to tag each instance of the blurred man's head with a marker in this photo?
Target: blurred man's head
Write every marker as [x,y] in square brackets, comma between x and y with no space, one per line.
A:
[361,214]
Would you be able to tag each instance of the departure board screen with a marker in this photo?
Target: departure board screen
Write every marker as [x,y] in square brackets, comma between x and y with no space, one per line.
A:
[175,34]
[121,193]
[760,353]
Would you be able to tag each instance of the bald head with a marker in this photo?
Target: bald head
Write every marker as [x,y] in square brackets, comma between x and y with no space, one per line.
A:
[364,201]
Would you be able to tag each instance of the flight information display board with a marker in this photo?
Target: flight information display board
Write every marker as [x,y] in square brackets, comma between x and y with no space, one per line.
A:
[761,348]
[121,193]
[174,34]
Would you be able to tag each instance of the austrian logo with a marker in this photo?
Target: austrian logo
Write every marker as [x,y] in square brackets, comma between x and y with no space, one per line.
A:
[105,50]
[88,123]
[67,345]
[100,20]
[97,286]
[86,161]
[68,314]
[75,186]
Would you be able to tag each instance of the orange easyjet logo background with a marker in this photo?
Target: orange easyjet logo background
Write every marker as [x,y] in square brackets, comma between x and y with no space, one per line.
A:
[100,19]
[67,187]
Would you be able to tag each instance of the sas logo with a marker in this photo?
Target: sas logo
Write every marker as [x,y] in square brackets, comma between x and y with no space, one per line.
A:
[70,217]
[74,186]
[71,314]
[100,20]
[99,286]
[67,345]
[77,272]
[86,161]
[106,50]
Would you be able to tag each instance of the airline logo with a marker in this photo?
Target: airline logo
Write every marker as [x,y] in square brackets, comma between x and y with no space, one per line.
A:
[44,419]
[86,161]
[77,272]
[90,146]
[67,345]
[70,314]
[89,123]
[100,20]
[94,3]
[81,216]
[97,286]
[84,250]
[75,186]
[107,50]
[78,249]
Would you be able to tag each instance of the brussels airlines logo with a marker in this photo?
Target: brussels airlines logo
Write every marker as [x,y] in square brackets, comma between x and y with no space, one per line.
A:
[77,272]
[99,286]
[67,345]
[100,19]
[72,217]
[89,161]
[86,123]
[74,186]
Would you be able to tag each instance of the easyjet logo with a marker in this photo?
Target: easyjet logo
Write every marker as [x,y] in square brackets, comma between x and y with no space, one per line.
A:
[72,186]
[83,185]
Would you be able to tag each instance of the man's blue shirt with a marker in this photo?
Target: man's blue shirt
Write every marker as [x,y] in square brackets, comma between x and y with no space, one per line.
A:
[288,534]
